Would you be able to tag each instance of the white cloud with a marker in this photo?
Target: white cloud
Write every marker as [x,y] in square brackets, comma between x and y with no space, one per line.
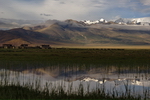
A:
[59,9]
[65,9]
[70,8]
[14,9]
[142,6]
[145,2]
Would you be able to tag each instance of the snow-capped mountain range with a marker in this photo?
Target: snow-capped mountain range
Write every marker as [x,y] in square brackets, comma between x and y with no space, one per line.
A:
[13,23]
[95,22]
[145,21]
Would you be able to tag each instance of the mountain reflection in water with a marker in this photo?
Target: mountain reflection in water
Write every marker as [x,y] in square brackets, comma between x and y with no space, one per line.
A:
[111,79]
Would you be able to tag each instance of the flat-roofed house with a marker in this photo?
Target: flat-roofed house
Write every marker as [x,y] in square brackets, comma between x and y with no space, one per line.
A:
[45,46]
[6,46]
[22,46]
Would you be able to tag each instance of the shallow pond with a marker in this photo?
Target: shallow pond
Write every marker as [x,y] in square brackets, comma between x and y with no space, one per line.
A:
[112,80]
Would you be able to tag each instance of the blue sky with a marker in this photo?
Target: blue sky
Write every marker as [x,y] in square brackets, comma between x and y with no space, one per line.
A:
[74,9]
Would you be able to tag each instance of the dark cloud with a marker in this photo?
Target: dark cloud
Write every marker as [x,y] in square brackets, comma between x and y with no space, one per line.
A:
[31,0]
[45,14]
[62,2]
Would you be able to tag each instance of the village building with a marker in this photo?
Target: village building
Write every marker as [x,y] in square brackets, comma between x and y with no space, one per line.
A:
[6,46]
[45,47]
[22,46]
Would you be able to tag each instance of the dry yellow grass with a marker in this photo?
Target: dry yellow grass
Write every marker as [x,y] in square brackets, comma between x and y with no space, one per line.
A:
[101,46]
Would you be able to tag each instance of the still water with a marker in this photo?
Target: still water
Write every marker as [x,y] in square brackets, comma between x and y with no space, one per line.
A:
[112,79]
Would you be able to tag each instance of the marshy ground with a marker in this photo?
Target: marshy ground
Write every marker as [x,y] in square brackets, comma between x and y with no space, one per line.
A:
[18,59]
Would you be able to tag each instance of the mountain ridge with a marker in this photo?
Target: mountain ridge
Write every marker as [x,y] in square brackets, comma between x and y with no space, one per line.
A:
[72,32]
[6,24]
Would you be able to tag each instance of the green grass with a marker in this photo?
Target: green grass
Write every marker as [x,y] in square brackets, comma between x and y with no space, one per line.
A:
[75,56]
[17,92]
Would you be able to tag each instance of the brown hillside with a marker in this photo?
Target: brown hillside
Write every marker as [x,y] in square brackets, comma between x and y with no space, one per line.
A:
[19,36]
[88,35]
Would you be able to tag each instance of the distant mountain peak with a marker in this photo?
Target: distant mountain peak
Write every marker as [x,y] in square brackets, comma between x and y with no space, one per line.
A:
[145,21]
[89,22]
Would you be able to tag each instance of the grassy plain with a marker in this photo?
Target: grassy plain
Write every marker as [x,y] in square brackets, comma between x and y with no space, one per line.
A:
[77,56]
